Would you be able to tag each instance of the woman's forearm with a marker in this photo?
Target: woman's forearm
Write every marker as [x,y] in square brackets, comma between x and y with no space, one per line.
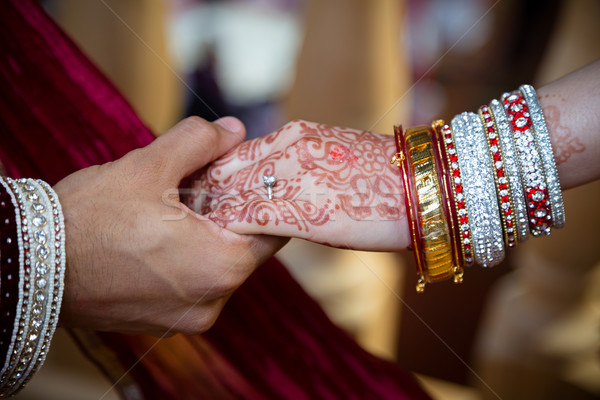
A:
[571,106]
[305,157]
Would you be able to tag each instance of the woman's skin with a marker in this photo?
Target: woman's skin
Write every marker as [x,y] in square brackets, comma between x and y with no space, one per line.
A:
[336,185]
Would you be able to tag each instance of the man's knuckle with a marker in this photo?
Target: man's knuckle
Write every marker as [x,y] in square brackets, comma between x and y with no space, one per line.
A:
[199,127]
[201,131]
[194,122]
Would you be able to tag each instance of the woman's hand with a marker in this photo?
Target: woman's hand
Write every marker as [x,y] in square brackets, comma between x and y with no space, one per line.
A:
[334,186]
[138,260]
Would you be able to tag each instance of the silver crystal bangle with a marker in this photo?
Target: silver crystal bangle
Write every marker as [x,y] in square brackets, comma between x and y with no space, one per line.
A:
[542,139]
[59,271]
[513,172]
[462,214]
[42,258]
[480,191]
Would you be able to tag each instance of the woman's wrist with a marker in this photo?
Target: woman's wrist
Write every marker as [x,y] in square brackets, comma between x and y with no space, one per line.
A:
[481,148]
[570,106]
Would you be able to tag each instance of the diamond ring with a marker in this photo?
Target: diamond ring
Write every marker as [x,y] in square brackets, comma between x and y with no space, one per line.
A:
[269,181]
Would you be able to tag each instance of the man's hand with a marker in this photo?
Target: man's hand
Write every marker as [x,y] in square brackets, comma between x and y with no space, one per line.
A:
[140,261]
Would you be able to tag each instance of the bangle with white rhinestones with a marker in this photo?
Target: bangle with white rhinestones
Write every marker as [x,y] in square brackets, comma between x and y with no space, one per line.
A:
[513,172]
[542,139]
[503,190]
[463,225]
[480,190]
[33,282]
[23,310]
[59,273]
[532,172]
[40,287]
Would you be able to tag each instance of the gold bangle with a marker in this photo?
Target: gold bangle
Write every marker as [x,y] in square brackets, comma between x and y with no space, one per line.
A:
[431,233]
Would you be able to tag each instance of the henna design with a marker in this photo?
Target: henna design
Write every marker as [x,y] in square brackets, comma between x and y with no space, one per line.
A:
[565,144]
[341,154]
[322,170]
[299,214]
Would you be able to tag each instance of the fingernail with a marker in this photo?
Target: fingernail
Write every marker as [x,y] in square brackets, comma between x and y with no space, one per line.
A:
[231,124]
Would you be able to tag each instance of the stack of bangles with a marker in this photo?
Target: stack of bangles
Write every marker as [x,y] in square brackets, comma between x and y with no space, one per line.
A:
[32,250]
[479,185]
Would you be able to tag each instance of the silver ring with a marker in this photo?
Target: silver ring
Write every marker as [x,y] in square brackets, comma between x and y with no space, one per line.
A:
[269,181]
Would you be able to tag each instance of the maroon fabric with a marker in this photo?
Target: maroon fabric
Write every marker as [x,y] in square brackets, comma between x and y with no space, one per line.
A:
[272,341]
[59,114]
[9,273]
[294,351]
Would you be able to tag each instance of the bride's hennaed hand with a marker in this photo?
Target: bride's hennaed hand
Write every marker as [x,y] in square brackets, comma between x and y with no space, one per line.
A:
[334,186]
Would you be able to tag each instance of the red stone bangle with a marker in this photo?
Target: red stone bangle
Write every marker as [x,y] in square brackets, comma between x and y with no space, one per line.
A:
[502,189]
[534,180]
[462,215]
[449,204]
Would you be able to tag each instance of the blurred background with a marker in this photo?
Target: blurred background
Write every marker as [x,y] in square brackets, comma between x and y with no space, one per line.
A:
[527,329]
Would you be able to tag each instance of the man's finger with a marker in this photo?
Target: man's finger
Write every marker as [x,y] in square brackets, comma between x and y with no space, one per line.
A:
[193,143]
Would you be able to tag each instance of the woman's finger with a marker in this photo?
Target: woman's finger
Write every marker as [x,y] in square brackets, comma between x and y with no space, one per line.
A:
[278,217]
[254,151]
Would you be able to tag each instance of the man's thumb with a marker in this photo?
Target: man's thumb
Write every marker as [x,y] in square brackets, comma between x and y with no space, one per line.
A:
[195,142]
